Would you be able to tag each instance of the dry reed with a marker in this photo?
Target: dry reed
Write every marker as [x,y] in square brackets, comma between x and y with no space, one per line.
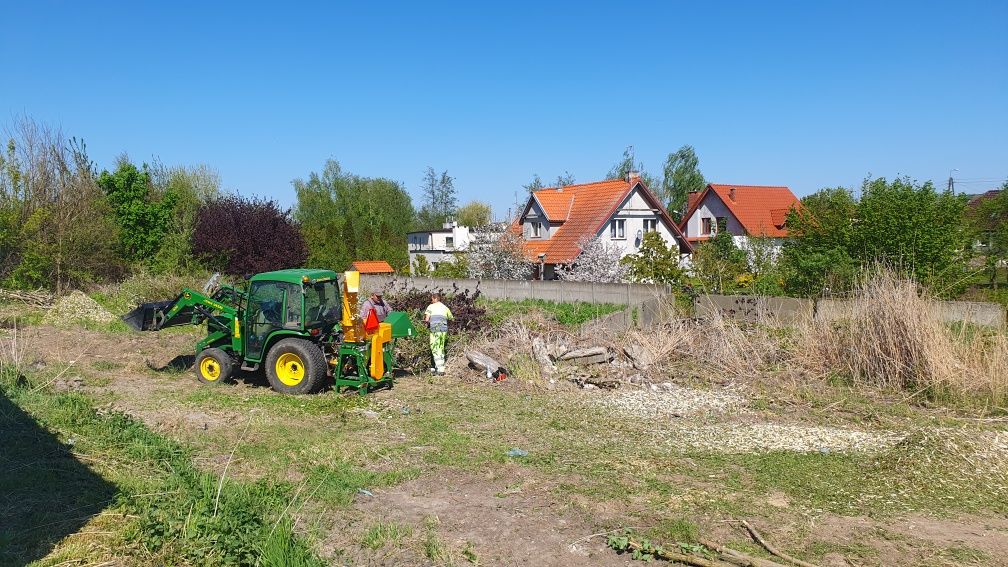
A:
[889,335]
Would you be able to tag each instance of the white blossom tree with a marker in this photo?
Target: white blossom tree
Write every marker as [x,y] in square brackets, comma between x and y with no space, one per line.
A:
[500,258]
[598,262]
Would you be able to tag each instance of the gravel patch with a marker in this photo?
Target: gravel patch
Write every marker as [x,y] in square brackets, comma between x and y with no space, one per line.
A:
[667,401]
[678,414]
[756,437]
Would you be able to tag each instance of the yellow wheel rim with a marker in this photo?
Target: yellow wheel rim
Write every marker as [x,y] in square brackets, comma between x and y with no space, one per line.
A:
[290,369]
[209,369]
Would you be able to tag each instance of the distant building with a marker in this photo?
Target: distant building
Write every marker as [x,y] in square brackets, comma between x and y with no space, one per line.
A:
[372,267]
[555,221]
[744,211]
[438,245]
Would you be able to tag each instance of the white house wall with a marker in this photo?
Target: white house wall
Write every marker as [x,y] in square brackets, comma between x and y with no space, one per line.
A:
[712,207]
[634,211]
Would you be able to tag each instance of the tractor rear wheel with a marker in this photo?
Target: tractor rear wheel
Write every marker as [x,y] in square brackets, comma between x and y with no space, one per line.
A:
[214,366]
[296,366]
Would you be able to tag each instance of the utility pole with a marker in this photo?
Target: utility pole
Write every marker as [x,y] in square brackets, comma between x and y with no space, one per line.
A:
[951,182]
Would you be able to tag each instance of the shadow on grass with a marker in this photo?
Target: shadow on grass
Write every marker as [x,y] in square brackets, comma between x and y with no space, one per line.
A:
[46,494]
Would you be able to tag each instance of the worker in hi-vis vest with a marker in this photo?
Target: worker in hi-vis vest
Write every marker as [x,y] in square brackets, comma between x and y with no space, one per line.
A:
[437,316]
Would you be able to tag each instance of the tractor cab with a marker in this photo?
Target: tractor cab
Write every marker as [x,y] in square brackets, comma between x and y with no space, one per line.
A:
[294,302]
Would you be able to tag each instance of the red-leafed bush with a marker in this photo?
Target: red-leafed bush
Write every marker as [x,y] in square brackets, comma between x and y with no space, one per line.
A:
[247,236]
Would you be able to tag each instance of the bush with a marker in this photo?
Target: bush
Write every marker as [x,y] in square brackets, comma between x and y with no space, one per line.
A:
[247,236]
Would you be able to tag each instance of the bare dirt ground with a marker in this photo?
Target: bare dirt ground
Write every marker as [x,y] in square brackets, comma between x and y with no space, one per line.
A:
[493,511]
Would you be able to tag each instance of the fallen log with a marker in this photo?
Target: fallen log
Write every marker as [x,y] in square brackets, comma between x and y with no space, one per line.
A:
[485,363]
[583,356]
[738,558]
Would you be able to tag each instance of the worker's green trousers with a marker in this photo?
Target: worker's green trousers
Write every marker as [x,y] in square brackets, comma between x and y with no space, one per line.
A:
[437,347]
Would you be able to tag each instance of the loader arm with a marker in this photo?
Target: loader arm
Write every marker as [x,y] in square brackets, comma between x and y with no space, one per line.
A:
[189,308]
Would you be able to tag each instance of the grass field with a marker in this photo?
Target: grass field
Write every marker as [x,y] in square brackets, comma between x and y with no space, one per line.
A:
[138,464]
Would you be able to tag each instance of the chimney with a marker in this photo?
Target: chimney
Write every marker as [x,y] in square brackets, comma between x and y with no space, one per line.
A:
[731,193]
[633,176]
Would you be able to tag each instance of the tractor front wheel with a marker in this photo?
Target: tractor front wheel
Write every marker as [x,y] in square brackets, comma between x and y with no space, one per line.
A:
[214,366]
[296,366]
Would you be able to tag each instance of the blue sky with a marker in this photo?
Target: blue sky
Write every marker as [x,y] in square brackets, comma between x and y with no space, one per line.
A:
[805,94]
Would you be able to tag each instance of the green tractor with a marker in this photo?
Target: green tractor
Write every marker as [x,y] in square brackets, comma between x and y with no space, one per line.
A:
[296,324]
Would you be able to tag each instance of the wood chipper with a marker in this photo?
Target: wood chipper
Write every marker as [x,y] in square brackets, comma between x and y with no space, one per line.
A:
[298,325]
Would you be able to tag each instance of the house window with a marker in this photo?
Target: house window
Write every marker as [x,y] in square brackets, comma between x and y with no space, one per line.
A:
[705,225]
[450,242]
[650,225]
[617,229]
[536,230]
[722,224]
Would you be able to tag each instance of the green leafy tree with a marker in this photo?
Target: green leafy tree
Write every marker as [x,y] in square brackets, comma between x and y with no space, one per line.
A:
[456,269]
[56,226]
[564,180]
[345,217]
[910,227]
[655,262]
[474,213]
[816,256]
[990,217]
[421,267]
[719,265]
[143,220]
[916,229]
[681,176]
[191,188]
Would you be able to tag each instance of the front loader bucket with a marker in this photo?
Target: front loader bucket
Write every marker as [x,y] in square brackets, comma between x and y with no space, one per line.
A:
[151,316]
[146,316]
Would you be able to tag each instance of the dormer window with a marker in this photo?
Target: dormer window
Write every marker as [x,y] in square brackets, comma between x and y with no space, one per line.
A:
[537,230]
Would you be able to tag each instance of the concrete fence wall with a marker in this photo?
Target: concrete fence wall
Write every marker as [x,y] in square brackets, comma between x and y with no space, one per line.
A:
[646,301]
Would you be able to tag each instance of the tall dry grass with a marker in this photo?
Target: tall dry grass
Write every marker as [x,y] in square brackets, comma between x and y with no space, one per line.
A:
[889,335]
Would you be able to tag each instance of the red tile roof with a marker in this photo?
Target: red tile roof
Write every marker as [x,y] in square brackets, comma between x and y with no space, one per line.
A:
[582,210]
[761,210]
[372,267]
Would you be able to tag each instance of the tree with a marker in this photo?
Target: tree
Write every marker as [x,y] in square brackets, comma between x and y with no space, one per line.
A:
[914,228]
[908,226]
[655,262]
[681,176]
[534,185]
[622,168]
[502,258]
[718,263]
[474,213]
[57,226]
[816,254]
[456,269]
[143,219]
[190,187]
[421,267]
[241,236]
[345,217]
[440,202]
[597,262]
[990,217]
[564,180]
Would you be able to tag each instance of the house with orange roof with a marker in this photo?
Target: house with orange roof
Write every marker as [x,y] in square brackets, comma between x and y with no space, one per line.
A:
[744,211]
[557,220]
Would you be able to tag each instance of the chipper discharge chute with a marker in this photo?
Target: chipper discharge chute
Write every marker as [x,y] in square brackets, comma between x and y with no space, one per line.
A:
[295,324]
